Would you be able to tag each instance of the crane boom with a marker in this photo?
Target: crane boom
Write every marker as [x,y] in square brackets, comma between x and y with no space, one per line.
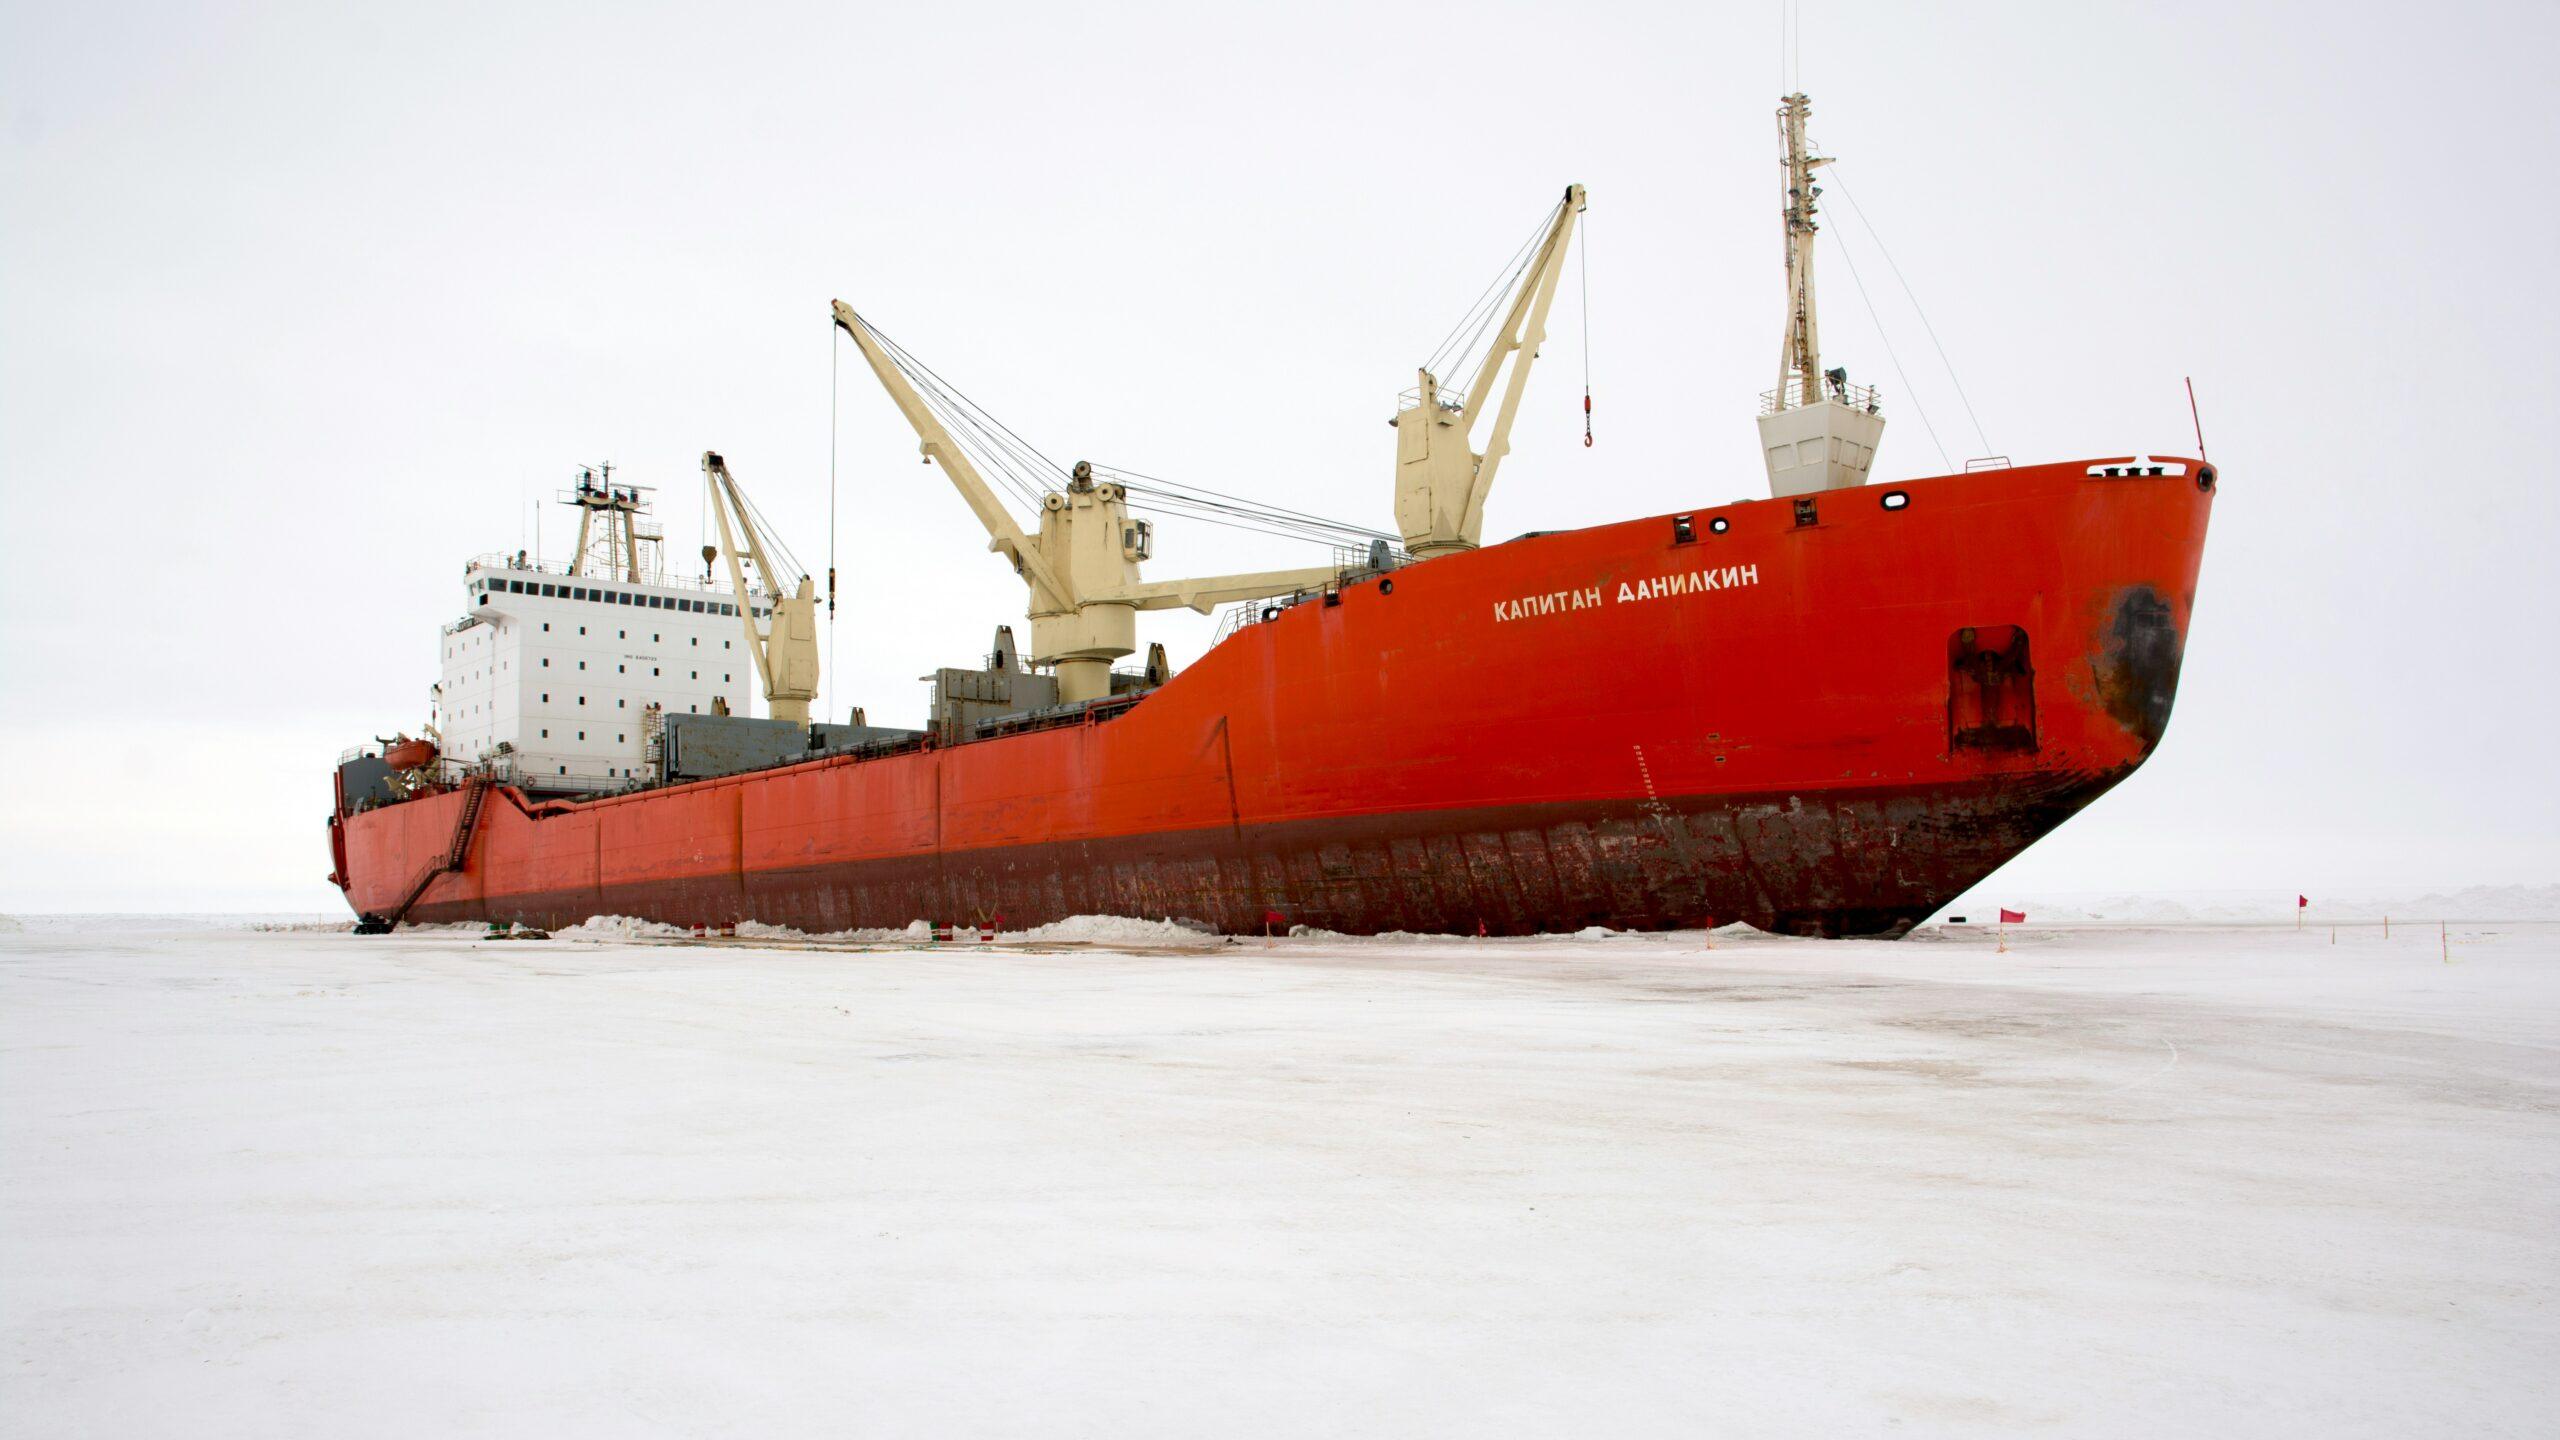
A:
[1003,536]
[786,651]
[1211,591]
[1441,479]
[1083,566]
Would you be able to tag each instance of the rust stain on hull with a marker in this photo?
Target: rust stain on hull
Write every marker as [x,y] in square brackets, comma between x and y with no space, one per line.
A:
[1871,865]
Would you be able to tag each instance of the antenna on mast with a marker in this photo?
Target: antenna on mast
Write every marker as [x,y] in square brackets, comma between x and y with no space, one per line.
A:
[610,530]
[1817,431]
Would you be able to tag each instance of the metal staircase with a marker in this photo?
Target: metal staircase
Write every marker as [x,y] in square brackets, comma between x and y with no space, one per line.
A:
[475,794]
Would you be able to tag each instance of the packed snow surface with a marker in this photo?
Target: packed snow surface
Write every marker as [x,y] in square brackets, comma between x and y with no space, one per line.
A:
[2116,1182]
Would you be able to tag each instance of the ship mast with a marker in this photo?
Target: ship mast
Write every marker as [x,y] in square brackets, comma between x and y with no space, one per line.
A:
[1800,353]
[1817,431]
[618,538]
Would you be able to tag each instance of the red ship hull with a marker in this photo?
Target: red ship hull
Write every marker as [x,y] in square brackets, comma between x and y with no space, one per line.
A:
[1826,725]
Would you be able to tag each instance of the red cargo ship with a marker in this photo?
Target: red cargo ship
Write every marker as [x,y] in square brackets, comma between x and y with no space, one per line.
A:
[1825,722]
[1828,712]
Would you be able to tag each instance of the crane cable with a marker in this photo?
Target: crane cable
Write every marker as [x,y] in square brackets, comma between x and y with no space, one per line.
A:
[1584,255]
[1020,466]
[1457,354]
[1029,474]
[1216,507]
[835,352]
[778,579]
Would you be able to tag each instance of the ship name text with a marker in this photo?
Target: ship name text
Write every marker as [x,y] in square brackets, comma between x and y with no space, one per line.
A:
[1684,582]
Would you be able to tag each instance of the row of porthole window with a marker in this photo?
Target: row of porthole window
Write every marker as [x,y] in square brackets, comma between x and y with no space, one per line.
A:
[494,585]
[1684,528]
[620,669]
[654,638]
[620,704]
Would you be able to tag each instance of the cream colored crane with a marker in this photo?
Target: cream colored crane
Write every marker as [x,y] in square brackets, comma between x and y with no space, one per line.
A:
[786,650]
[1082,568]
[1441,478]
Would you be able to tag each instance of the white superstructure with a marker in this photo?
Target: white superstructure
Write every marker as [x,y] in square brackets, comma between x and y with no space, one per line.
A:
[561,674]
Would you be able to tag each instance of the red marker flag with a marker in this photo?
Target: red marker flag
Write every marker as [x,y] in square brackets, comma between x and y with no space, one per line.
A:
[2012,917]
[2301,902]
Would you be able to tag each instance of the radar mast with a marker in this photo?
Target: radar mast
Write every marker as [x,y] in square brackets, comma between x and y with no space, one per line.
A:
[1817,431]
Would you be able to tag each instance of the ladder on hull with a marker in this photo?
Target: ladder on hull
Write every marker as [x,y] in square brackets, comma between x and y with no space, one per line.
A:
[475,794]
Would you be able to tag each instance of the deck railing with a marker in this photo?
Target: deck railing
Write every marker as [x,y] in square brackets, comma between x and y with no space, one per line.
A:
[660,580]
[1856,397]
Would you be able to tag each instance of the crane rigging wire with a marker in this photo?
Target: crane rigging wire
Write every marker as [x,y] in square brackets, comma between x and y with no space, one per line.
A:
[1026,471]
[1220,502]
[1346,537]
[835,352]
[1299,537]
[1140,497]
[1031,470]
[1582,254]
[1454,359]
[790,571]
[1028,474]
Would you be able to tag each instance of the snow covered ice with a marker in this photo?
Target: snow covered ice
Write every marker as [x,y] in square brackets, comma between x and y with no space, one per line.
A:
[2111,1182]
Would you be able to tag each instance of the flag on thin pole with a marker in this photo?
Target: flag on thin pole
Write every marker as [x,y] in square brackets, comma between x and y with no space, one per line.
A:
[2300,904]
[2013,917]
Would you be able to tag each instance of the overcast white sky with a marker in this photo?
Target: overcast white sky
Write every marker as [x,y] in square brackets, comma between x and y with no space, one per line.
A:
[299,306]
